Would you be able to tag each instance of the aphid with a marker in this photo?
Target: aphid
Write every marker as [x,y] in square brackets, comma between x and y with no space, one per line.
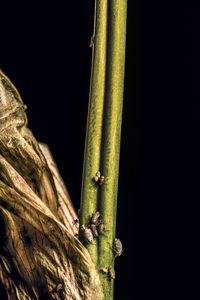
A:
[97,177]
[95,218]
[98,174]
[87,234]
[94,230]
[111,272]
[101,180]
[117,247]
[101,228]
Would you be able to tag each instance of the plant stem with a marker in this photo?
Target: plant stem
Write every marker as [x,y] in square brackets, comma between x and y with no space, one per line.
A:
[104,130]
[117,11]
[89,192]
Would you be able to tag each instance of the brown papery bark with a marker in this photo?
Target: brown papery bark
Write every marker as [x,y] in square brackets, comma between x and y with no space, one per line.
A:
[41,256]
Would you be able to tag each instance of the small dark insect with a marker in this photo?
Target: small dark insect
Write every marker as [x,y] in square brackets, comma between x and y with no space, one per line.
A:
[101,180]
[87,234]
[101,228]
[117,247]
[95,218]
[76,221]
[111,272]
[94,230]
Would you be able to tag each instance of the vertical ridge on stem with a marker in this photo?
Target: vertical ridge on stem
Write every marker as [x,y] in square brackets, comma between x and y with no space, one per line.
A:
[89,192]
[117,12]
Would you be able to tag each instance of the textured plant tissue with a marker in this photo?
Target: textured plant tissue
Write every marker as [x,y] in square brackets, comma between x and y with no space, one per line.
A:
[40,255]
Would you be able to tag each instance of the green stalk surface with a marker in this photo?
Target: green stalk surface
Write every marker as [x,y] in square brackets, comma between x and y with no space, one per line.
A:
[102,147]
[112,134]
[89,192]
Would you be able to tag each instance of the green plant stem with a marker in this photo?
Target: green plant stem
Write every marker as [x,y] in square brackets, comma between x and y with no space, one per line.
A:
[89,192]
[112,134]
[104,130]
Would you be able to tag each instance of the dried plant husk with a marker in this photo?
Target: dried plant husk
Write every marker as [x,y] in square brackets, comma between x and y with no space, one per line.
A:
[40,255]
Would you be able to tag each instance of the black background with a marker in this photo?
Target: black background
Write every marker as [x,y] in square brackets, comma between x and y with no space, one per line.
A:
[44,49]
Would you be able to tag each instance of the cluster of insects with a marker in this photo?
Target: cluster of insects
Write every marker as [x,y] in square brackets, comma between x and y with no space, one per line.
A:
[97,226]
[99,179]
[95,229]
